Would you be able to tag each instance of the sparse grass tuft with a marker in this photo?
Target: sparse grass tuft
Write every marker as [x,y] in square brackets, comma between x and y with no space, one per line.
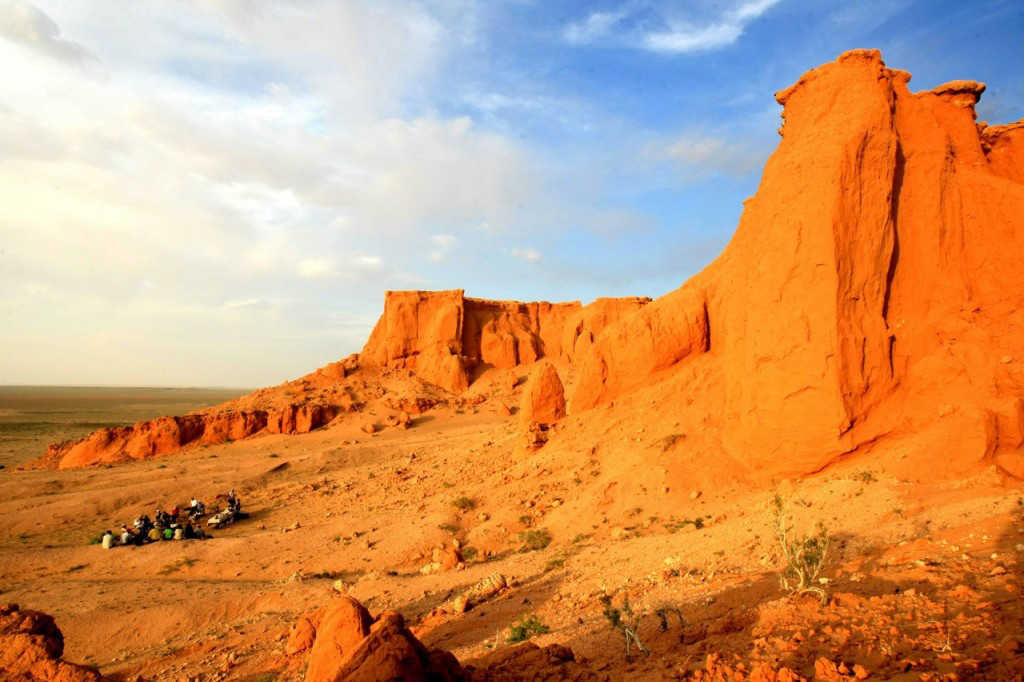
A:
[864,476]
[76,567]
[177,566]
[626,621]
[463,503]
[448,527]
[670,441]
[805,555]
[528,627]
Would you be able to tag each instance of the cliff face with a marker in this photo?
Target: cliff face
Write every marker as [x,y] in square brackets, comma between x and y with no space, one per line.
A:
[445,337]
[159,436]
[872,289]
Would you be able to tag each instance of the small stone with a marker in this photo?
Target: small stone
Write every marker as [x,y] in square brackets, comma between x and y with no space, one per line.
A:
[998,570]
[339,586]
[617,533]
[861,672]
[1006,359]
[694,494]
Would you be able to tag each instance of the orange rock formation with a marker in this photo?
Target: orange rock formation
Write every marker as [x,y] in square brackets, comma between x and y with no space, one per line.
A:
[445,337]
[872,290]
[31,645]
[345,643]
[544,396]
[872,294]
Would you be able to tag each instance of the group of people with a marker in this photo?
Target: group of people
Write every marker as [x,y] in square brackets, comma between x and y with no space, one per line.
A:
[176,524]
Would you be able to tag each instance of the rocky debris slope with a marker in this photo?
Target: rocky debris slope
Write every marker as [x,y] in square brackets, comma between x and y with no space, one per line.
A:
[31,645]
[445,336]
[872,291]
[294,407]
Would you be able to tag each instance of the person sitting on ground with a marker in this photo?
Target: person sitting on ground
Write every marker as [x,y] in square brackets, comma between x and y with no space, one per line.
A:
[179,533]
[200,533]
[168,533]
[154,534]
[108,540]
[137,523]
[190,532]
[175,512]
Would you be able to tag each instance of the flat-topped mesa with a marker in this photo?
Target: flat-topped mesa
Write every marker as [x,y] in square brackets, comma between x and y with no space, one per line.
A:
[872,291]
[445,337]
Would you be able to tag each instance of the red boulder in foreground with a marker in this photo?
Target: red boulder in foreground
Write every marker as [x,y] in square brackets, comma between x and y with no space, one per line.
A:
[31,645]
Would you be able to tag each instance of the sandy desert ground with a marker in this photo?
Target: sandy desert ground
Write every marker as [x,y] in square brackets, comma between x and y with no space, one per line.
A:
[923,578]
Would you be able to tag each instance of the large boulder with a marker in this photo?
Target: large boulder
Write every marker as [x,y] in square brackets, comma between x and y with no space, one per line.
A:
[346,645]
[337,633]
[544,397]
[31,646]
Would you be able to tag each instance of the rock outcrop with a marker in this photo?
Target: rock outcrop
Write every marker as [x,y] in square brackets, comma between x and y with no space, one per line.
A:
[31,646]
[159,436]
[543,404]
[543,397]
[445,337]
[346,644]
[873,289]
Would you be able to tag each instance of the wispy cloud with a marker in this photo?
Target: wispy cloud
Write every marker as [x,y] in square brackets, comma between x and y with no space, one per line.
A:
[527,255]
[442,245]
[666,29]
[694,154]
[23,23]
[594,27]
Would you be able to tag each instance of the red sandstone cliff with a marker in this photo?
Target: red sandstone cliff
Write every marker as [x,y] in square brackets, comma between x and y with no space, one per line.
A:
[873,289]
[445,337]
[871,294]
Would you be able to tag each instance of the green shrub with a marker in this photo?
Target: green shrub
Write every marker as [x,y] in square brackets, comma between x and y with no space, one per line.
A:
[534,540]
[529,626]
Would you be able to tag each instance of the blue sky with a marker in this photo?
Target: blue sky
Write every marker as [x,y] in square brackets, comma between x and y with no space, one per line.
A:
[220,192]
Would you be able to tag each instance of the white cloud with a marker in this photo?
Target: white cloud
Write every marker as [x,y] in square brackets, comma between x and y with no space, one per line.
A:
[526,255]
[595,26]
[667,29]
[443,244]
[315,268]
[24,23]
